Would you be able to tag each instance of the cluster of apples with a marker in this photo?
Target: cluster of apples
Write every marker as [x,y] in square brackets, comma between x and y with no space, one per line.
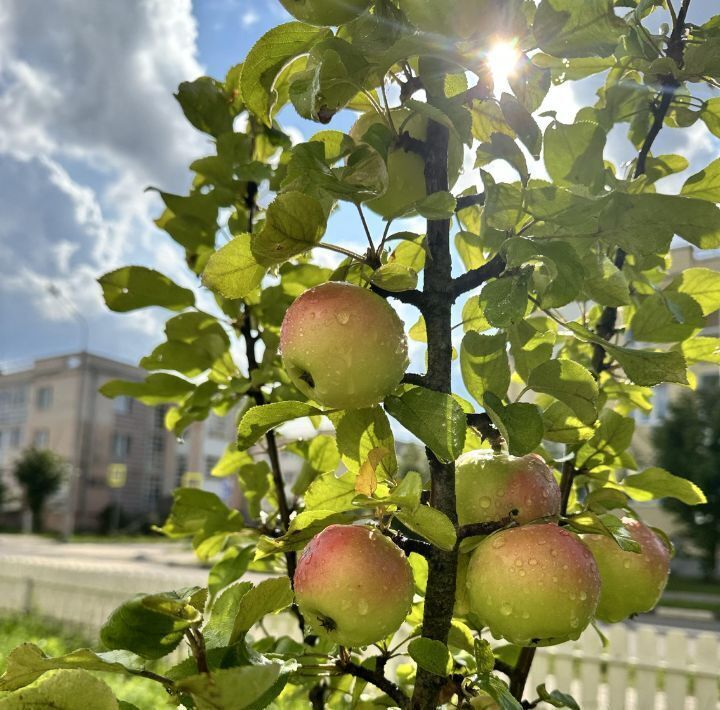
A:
[533,584]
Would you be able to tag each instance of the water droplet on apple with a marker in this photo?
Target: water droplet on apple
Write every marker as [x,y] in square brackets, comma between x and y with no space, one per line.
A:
[574,623]
[363,607]
[342,317]
[522,572]
[526,615]
[626,564]
[498,542]
[506,609]
[533,562]
[583,596]
[542,542]
[554,553]
[485,502]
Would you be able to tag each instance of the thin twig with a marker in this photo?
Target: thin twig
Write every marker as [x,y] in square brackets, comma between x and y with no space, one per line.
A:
[365,227]
[476,277]
[394,692]
[465,201]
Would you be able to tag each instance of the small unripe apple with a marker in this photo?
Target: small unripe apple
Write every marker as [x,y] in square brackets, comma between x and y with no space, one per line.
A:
[406,168]
[632,582]
[535,585]
[343,346]
[325,12]
[353,585]
[492,486]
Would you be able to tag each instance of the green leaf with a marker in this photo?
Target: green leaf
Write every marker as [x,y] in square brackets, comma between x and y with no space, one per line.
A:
[574,154]
[156,389]
[710,114]
[563,426]
[504,300]
[520,423]
[655,322]
[232,271]
[27,662]
[435,418]
[230,568]
[484,364]
[294,223]
[268,597]
[63,690]
[556,698]
[205,104]
[701,349]
[484,656]
[251,687]
[496,689]
[502,147]
[331,494]
[604,282]
[266,60]
[612,436]
[522,122]
[704,185]
[439,205]
[133,287]
[204,517]
[151,625]
[648,368]
[395,277]
[408,492]
[360,431]
[565,28]
[569,382]
[658,483]
[487,118]
[261,419]
[431,655]
[529,83]
[703,285]
[431,524]
[470,248]
[531,343]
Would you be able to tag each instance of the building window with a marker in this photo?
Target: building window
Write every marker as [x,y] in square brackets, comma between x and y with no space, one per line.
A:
[15,437]
[44,398]
[153,491]
[41,438]
[1,439]
[123,405]
[121,446]
[159,417]
[181,469]
[210,463]
[709,380]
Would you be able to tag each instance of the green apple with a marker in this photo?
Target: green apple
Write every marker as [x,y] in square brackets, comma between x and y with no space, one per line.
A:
[406,168]
[343,346]
[535,585]
[353,585]
[490,486]
[325,12]
[632,582]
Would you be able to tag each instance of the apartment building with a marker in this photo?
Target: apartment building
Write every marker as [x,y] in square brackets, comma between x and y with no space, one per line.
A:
[55,404]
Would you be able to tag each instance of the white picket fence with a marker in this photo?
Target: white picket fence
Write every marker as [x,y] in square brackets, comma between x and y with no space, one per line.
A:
[642,668]
[645,667]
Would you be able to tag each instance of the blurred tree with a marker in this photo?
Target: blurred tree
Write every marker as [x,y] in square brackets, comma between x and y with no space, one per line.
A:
[40,473]
[688,444]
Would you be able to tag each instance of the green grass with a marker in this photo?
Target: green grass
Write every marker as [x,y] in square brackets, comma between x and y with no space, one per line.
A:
[55,640]
[692,584]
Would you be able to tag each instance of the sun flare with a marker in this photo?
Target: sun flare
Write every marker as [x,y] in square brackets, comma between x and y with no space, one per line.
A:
[502,60]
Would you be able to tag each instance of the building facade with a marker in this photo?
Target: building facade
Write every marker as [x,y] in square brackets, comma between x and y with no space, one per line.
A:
[55,404]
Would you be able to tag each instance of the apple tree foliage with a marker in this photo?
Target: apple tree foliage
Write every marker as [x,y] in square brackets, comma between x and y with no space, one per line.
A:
[553,289]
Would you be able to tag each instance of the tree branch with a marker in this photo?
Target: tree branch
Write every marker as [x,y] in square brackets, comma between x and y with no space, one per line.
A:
[484,426]
[484,528]
[409,544]
[607,323]
[520,673]
[566,482]
[394,692]
[476,277]
[465,201]
[413,378]
[197,646]
[412,297]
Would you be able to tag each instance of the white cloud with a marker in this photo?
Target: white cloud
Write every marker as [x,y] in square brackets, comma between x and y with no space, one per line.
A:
[87,121]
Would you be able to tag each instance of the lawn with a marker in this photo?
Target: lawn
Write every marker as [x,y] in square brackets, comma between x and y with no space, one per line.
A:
[56,640]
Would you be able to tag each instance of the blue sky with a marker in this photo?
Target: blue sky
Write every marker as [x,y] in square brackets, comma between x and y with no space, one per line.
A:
[87,121]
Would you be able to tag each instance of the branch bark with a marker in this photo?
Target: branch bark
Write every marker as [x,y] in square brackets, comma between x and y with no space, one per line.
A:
[607,323]
[376,678]
[442,565]
[476,277]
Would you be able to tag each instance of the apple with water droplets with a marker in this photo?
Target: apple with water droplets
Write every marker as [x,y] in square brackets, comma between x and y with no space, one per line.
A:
[534,585]
[493,486]
[632,582]
[343,346]
[406,167]
[325,13]
[353,585]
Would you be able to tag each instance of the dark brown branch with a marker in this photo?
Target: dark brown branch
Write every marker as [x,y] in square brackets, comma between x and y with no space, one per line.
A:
[484,528]
[413,378]
[520,673]
[412,145]
[167,682]
[607,323]
[197,646]
[566,483]
[442,565]
[409,544]
[503,667]
[477,277]
[409,87]
[465,201]
[394,692]
[484,426]
[412,297]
